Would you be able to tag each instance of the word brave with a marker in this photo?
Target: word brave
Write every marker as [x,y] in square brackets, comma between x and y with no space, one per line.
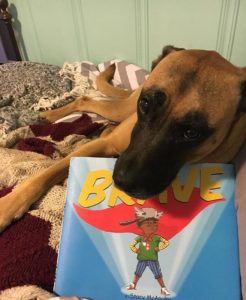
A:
[97,182]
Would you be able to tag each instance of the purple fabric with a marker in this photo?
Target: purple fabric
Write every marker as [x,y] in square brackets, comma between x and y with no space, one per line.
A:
[5,191]
[58,131]
[36,145]
[26,256]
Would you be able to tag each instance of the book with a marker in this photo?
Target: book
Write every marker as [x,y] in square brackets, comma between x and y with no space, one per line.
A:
[181,244]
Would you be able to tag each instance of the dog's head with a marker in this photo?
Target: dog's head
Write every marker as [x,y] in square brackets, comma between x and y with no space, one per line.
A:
[187,107]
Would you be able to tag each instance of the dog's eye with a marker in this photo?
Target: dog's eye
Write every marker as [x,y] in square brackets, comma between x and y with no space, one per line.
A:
[144,105]
[191,134]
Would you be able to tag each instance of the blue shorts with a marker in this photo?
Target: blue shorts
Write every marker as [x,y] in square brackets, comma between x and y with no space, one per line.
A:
[152,264]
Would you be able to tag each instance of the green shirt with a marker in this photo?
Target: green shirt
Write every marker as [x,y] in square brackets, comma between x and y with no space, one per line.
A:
[147,249]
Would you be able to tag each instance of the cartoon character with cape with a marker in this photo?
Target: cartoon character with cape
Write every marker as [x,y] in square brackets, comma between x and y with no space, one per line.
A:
[147,246]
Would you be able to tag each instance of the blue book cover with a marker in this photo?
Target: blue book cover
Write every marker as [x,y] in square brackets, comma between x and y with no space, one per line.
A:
[181,244]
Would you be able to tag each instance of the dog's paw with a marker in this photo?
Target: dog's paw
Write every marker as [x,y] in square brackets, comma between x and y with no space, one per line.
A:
[10,210]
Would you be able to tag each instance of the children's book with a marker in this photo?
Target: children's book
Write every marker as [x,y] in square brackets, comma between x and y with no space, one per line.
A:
[181,244]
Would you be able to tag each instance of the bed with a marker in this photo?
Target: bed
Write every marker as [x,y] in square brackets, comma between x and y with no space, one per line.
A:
[29,247]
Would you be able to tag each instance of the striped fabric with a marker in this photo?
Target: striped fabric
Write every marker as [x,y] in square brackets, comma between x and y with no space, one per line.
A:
[128,76]
[152,264]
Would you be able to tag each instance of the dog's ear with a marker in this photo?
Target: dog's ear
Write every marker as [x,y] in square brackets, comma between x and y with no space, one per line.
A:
[242,103]
[165,51]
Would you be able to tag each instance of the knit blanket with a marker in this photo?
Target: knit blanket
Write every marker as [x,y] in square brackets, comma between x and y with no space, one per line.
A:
[29,247]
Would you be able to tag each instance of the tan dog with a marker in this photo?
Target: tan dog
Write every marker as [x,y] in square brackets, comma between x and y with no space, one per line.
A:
[190,109]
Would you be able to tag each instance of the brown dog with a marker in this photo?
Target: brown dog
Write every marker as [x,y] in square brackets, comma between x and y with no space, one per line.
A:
[190,109]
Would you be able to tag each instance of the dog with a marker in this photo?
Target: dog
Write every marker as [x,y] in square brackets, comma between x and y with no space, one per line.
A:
[191,108]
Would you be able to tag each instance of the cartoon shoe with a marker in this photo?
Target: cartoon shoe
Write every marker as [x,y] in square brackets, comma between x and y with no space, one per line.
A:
[165,291]
[131,286]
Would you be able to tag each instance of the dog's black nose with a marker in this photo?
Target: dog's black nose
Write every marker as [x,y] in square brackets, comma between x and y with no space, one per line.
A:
[124,182]
[128,186]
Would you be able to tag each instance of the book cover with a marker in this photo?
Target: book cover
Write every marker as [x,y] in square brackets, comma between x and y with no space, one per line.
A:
[181,244]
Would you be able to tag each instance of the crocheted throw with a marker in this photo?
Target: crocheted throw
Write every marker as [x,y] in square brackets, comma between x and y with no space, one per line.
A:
[29,247]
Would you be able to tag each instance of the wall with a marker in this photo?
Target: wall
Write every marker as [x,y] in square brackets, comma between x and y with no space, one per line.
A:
[54,31]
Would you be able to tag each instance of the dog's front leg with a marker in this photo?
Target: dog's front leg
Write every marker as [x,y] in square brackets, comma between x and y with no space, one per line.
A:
[15,204]
[58,113]
[114,110]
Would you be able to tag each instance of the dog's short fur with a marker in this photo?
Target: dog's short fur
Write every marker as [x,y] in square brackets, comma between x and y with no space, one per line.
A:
[192,108]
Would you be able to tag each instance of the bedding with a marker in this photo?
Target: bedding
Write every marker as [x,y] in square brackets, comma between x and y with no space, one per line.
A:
[29,246]
[22,84]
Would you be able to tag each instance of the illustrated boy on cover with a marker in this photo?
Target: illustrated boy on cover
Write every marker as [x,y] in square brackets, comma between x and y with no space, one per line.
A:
[148,245]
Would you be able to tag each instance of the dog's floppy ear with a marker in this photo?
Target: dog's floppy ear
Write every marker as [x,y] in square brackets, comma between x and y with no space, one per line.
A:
[242,103]
[165,51]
